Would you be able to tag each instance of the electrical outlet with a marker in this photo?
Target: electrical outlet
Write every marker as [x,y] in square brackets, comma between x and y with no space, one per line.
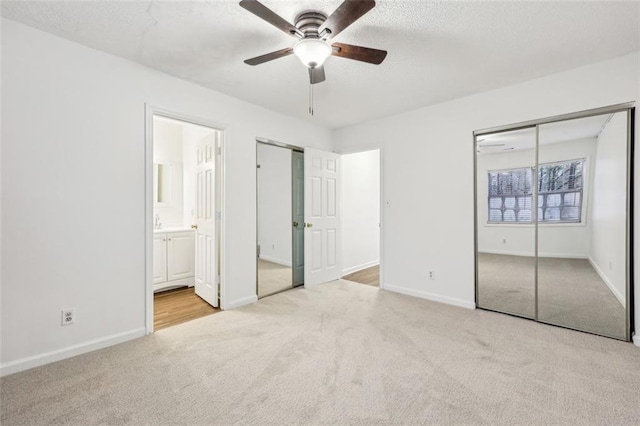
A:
[68,316]
[432,275]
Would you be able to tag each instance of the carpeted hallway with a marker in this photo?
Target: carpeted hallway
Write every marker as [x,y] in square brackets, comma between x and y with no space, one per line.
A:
[339,353]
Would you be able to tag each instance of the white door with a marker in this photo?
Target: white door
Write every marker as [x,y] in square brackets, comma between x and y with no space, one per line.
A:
[322,221]
[180,258]
[298,217]
[206,281]
[159,258]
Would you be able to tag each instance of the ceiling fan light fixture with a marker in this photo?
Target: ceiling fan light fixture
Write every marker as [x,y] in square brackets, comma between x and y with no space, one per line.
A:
[312,52]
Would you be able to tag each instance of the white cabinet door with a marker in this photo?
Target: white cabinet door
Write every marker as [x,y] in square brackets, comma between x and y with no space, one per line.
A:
[322,213]
[159,258]
[180,254]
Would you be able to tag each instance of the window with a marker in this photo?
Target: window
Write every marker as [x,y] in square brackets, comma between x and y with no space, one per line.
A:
[559,193]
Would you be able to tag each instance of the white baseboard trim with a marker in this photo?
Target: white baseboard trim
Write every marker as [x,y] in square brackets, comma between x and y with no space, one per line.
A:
[605,279]
[357,268]
[431,296]
[27,363]
[636,340]
[276,260]
[241,302]
[531,254]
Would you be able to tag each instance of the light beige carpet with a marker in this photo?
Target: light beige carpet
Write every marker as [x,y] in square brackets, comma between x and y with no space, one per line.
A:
[273,277]
[335,354]
[570,292]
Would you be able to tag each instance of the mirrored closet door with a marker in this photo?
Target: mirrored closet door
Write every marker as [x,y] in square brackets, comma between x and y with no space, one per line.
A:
[280,218]
[506,241]
[553,221]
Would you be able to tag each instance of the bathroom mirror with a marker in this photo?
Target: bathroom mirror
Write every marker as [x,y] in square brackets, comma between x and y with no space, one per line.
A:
[167,184]
[162,187]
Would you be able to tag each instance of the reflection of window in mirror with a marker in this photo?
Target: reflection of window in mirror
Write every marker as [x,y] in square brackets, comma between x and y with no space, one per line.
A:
[560,186]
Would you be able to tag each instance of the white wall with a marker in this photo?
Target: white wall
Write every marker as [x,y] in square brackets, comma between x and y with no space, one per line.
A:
[554,240]
[609,206]
[360,210]
[167,150]
[274,204]
[429,226]
[73,220]
[167,141]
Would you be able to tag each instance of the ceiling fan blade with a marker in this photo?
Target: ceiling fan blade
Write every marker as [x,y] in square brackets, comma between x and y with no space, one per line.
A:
[316,75]
[269,56]
[346,14]
[262,11]
[359,53]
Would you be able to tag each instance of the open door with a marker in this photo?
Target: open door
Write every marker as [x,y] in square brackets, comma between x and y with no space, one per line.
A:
[206,281]
[322,216]
[298,217]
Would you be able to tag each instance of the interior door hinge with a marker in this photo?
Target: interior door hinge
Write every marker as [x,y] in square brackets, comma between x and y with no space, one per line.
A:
[257,166]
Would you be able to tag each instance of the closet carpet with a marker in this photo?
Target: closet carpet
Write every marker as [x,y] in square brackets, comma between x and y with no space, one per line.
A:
[339,353]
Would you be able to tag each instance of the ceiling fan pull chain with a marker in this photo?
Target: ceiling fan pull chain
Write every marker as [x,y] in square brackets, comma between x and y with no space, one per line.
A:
[311,99]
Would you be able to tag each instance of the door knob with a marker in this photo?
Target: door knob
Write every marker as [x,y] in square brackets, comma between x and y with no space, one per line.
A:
[194,226]
[308,225]
[295,224]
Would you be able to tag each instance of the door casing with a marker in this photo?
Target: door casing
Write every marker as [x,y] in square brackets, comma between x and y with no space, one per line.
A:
[150,112]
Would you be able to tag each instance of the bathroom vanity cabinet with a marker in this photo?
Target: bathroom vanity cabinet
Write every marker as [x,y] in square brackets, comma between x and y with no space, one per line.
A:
[173,259]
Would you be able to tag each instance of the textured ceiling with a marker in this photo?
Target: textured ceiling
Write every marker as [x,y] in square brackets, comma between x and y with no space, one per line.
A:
[438,50]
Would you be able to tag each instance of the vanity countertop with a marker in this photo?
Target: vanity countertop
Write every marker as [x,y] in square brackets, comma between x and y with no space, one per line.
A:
[165,229]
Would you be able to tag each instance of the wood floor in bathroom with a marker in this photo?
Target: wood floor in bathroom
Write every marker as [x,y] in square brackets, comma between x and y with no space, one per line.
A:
[174,307]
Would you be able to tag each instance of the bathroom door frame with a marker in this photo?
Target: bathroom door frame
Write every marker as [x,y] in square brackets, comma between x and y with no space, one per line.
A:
[150,112]
[629,109]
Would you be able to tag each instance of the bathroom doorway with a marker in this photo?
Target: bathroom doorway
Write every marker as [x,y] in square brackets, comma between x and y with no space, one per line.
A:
[280,217]
[184,218]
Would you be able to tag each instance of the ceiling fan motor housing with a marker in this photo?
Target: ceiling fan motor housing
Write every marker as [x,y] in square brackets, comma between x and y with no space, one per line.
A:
[309,22]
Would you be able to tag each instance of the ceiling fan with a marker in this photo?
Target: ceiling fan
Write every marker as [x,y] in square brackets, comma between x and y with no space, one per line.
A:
[313,30]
